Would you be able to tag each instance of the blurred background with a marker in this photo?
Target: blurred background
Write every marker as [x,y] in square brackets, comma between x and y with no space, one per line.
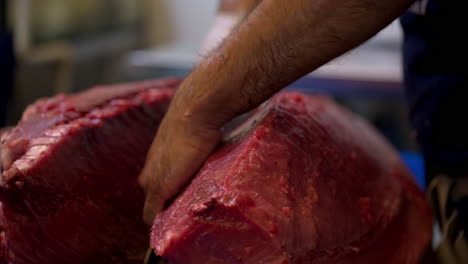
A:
[64,46]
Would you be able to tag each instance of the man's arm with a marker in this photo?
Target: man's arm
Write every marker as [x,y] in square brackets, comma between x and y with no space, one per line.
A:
[276,44]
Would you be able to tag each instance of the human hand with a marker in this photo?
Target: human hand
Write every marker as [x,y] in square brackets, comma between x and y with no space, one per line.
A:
[183,142]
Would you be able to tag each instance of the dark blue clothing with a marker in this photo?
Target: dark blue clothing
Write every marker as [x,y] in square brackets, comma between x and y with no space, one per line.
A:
[7,63]
[435,54]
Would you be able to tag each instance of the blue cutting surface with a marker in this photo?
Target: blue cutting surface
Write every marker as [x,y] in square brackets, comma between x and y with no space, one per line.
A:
[415,163]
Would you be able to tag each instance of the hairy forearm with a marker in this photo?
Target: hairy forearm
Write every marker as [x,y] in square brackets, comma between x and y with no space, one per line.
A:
[277,43]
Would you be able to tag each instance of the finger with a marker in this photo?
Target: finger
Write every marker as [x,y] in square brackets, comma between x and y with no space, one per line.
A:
[150,180]
[153,204]
[172,164]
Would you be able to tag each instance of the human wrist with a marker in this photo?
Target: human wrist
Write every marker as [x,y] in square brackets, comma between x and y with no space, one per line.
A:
[206,95]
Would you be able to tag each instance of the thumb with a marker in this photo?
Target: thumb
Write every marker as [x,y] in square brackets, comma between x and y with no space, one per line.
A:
[153,204]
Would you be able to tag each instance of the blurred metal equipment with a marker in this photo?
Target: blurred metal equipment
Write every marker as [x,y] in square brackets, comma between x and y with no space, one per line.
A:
[67,46]
[7,62]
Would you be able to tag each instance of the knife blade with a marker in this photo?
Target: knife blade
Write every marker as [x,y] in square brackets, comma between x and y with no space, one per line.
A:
[152,258]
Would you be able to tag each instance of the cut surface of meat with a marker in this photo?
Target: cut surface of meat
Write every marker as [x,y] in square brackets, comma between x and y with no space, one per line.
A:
[69,191]
[301,181]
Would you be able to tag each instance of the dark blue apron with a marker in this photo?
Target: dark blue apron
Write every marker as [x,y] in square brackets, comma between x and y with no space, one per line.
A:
[435,54]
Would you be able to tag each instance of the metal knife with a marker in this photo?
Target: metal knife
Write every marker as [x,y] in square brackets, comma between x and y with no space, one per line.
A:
[152,258]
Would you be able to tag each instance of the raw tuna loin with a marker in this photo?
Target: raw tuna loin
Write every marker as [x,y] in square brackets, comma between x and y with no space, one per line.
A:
[68,187]
[302,181]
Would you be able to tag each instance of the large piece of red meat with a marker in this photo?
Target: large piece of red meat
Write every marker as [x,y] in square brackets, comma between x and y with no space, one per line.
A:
[302,181]
[68,187]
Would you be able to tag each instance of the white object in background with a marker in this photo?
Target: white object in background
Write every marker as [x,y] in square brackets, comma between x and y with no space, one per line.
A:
[379,59]
[177,55]
[181,24]
[223,25]
[169,56]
